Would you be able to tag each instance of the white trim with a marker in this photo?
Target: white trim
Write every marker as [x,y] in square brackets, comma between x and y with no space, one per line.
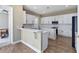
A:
[4,44]
[10,11]
[16,42]
[10,23]
[38,51]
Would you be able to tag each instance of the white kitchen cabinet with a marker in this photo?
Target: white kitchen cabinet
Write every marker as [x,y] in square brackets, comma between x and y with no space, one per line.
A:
[31,19]
[59,19]
[65,23]
[44,20]
[67,19]
[65,30]
[47,20]
[31,38]
[51,19]
[62,19]
[60,30]
[35,39]
[24,15]
[52,33]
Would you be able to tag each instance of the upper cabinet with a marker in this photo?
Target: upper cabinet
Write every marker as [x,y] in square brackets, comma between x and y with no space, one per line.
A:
[66,19]
[59,19]
[24,15]
[62,19]
[47,20]
[31,19]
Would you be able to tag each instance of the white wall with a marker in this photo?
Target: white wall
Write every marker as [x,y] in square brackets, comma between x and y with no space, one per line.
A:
[78,20]
[3,20]
[77,37]
[18,21]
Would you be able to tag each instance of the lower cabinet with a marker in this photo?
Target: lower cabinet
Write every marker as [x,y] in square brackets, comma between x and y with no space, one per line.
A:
[65,30]
[52,33]
[32,39]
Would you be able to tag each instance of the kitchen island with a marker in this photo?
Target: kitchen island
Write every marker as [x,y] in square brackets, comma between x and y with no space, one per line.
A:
[35,39]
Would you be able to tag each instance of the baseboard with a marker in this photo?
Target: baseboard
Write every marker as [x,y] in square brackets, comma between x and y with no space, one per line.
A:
[16,42]
[31,47]
[64,36]
[4,44]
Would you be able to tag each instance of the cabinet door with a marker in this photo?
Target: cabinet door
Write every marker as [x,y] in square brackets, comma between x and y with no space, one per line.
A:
[44,20]
[56,18]
[34,40]
[30,19]
[67,31]
[59,19]
[52,18]
[47,20]
[60,30]
[67,19]
[24,15]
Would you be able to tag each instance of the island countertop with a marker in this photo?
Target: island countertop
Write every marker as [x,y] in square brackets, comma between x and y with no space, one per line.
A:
[29,29]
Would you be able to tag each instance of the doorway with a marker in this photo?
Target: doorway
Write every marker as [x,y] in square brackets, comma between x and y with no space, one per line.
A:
[6,25]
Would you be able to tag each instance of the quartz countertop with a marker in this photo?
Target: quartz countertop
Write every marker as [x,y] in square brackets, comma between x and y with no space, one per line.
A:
[29,29]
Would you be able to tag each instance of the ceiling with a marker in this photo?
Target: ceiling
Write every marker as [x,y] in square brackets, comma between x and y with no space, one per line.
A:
[45,9]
